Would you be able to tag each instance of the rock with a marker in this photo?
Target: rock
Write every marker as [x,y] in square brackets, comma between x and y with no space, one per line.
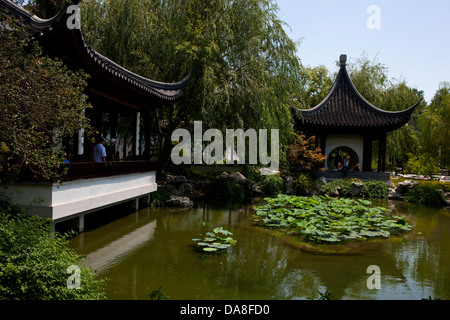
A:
[179,202]
[175,179]
[289,185]
[224,175]
[357,188]
[402,188]
[186,189]
[238,177]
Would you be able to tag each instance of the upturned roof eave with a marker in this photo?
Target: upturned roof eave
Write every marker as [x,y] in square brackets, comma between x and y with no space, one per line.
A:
[39,27]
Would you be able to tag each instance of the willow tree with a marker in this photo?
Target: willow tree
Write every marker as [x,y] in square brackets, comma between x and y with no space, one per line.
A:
[434,124]
[244,69]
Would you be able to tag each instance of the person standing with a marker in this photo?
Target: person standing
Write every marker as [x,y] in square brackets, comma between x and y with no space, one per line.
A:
[111,150]
[99,152]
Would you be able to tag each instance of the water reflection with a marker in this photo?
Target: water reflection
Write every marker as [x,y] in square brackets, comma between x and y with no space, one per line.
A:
[152,248]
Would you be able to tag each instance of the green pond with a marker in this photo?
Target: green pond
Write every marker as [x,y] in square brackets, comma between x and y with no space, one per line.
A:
[152,248]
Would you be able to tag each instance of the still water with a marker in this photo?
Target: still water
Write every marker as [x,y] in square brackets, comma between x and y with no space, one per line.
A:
[152,248]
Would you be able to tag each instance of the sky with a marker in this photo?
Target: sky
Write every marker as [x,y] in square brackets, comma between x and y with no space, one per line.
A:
[411,38]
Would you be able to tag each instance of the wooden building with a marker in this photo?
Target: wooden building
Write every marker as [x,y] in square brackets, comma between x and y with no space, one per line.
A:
[115,93]
[345,119]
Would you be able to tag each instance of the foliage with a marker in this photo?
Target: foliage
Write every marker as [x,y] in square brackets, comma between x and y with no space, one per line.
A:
[304,184]
[272,184]
[159,198]
[303,156]
[328,220]
[426,196]
[158,295]
[41,105]
[375,189]
[340,187]
[33,262]
[323,296]
[226,189]
[433,126]
[318,83]
[217,241]
[425,164]
[245,69]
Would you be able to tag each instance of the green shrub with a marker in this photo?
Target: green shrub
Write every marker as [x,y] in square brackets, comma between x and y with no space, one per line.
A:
[426,196]
[272,184]
[159,198]
[34,263]
[424,165]
[376,189]
[303,184]
[226,189]
[341,187]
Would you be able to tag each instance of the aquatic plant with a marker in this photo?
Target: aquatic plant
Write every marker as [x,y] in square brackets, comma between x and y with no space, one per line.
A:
[158,295]
[322,219]
[219,240]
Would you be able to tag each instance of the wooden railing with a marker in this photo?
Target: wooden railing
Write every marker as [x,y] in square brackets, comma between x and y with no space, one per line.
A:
[89,170]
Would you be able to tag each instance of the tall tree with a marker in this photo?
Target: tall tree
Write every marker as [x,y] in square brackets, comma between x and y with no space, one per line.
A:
[317,84]
[41,104]
[434,124]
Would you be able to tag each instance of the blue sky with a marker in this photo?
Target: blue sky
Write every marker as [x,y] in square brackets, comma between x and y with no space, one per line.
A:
[413,40]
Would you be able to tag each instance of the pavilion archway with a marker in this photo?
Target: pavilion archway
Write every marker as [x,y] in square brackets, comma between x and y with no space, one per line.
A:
[338,154]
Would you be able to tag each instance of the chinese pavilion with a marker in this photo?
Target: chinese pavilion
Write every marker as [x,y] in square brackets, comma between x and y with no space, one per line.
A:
[345,119]
[116,94]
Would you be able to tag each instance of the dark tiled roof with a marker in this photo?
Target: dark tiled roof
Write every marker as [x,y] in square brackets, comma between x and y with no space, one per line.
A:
[345,109]
[41,28]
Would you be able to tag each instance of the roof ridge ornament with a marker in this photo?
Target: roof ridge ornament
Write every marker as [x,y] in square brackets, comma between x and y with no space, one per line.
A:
[343,60]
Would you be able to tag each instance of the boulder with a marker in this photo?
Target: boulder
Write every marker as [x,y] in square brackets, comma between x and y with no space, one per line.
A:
[289,185]
[238,177]
[402,188]
[179,202]
[357,188]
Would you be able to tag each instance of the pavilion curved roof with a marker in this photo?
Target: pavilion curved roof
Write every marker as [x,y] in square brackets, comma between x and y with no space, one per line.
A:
[56,35]
[345,109]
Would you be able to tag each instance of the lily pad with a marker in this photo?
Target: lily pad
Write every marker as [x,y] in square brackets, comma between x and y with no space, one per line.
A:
[209,249]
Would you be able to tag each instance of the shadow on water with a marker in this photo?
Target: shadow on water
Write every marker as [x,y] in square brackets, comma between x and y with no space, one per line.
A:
[142,251]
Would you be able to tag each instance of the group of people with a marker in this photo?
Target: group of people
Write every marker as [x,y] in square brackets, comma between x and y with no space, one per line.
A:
[102,153]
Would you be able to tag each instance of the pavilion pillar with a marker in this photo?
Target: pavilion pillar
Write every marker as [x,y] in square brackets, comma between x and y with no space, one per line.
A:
[137,134]
[367,153]
[382,153]
[147,130]
[114,123]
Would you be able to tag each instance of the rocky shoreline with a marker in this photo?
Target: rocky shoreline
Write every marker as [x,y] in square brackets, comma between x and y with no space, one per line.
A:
[184,191]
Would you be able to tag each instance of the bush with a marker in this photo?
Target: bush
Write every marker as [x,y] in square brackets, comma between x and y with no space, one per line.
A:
[272,184]
[376,189]
[341,187]
[33,263]
[159,198]
[303,184]
[226,189]
[424,165]
[426,196]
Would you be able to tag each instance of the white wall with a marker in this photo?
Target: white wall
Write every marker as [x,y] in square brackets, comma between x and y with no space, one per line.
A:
[61,201]
[356,142]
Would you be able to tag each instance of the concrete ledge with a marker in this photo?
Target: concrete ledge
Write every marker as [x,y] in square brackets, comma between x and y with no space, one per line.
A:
[65,200]
[361,175]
